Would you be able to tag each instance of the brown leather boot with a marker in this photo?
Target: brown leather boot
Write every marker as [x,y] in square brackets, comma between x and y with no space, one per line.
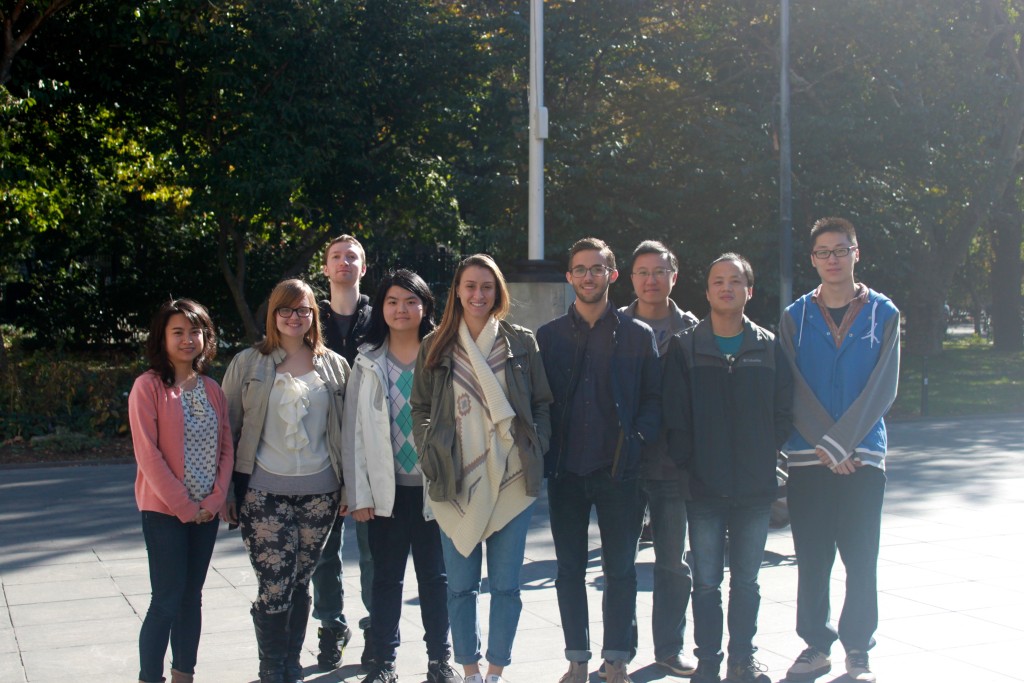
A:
[178,677]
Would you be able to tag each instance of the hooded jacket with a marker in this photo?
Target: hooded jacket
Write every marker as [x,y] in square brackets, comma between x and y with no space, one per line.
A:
[841,394]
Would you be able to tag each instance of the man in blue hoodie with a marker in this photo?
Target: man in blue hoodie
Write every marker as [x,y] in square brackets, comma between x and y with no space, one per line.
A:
[843,340]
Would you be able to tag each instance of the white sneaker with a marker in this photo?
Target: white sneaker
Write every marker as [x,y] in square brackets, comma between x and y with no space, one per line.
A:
[857,667]
[474,678]
[811,664]
[495,678]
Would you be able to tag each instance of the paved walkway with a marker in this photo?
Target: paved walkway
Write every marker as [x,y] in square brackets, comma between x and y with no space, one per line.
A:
[75,586]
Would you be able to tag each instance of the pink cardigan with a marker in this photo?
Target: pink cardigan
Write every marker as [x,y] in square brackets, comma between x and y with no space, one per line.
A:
[158,436]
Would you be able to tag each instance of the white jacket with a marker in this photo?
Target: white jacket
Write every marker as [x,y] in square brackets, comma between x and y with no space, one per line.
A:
[367,458]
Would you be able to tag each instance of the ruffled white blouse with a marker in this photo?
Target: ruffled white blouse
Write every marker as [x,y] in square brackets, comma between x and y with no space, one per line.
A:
[294,439]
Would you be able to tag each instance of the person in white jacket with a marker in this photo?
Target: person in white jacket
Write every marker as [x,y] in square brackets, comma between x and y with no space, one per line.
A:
[383,477]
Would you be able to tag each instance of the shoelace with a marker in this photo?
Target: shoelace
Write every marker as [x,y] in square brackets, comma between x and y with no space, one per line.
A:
[859,659]
[754,665]
[807,655]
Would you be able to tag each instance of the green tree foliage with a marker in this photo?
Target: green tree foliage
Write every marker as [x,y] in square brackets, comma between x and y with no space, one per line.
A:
[179,147]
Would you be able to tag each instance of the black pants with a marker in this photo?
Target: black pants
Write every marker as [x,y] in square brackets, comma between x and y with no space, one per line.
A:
[828,512]
[391,539]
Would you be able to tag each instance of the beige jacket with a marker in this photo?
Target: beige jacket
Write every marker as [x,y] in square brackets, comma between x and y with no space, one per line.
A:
[247,384]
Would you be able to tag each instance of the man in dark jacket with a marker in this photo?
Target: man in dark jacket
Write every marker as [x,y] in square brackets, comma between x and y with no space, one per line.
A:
[345,317]
[654,273]
[728,408]
[602,366]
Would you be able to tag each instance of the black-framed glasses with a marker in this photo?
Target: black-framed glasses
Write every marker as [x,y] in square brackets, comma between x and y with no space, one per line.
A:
[658,273]
[597,271]
[838,252]
[301,311]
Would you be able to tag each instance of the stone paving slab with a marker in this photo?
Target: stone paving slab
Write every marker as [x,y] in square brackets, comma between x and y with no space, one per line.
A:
[75,587]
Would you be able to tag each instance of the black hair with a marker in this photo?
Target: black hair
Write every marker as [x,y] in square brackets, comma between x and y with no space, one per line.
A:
[156,344]
[744,264]
[378,330]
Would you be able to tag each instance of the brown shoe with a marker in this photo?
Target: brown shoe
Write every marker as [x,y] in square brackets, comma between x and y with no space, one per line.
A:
[178,677]
[617,672]
[577,673]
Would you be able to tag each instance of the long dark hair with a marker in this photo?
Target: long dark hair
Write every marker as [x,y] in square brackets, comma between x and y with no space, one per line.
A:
[156,344]
[448,331]
[378,330]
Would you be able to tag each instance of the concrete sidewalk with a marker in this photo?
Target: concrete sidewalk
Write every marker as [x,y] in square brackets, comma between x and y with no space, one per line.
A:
[75,585]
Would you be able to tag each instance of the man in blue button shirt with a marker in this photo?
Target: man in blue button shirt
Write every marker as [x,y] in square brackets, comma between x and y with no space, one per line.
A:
[602,366]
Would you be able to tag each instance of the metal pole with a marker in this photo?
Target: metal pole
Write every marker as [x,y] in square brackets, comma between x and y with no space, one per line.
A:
[785,171]
[538,132]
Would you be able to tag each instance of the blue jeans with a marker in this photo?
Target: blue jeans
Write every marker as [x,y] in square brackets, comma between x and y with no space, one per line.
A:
[505,550]
[328,592]
[179,556]
[828,512]
[391,540]
[619,519]
[672,580]
[747,525]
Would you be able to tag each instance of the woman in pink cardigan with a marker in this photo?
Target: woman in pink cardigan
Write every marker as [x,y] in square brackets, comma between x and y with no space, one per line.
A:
[182,439]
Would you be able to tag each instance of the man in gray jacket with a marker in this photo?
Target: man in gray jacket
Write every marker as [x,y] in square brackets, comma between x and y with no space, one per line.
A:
[654,273]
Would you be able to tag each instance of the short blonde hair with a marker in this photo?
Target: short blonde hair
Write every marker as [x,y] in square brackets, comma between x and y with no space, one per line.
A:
[286,293]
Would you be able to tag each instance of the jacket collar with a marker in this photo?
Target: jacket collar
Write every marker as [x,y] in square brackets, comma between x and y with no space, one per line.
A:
[704,338]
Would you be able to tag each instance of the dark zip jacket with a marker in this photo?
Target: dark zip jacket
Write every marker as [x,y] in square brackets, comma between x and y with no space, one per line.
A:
[347,346]
[726,419]
[636,385]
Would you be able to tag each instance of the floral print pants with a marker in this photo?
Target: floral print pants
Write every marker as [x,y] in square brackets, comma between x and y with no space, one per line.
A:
[284,535]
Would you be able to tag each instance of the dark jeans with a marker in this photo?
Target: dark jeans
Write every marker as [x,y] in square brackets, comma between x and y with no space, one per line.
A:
[328,592]
[828,512]
[672,580]
[746,523]
[179,556]
[391,539]
[619,518]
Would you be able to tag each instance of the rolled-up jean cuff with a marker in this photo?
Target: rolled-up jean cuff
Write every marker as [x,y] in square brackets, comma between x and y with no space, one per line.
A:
[616,655]
[364,623]
[577,655]
[497,662]
[464,660]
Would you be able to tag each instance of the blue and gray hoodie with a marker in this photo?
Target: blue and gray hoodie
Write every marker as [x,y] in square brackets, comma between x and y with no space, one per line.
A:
[841,394]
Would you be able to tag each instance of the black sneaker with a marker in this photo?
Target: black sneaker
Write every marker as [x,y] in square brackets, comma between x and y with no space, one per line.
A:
[748,670]
[367,660]
[332,645]
[382,673]
[440,671]
[812,663]
[857,667]
[707,672]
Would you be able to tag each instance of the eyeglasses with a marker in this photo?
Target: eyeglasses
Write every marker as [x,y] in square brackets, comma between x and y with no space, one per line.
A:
[838,252]
[301,311]
[658,273]
[597,271]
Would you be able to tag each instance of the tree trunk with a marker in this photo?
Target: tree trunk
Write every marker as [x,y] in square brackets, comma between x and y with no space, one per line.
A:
[230,242]
[925,314]
[1007,324]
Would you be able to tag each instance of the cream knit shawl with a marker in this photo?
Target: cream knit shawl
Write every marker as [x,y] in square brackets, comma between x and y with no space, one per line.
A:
[492,488]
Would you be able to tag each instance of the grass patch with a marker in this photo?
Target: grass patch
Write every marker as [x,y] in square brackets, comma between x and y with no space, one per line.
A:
[968,378]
